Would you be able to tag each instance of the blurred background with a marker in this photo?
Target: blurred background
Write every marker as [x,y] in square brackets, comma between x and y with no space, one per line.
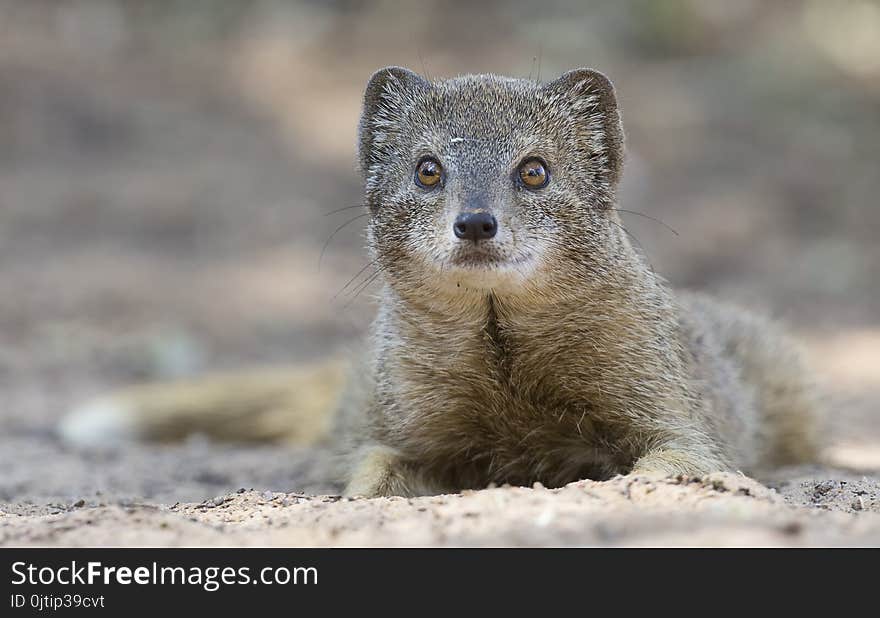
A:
[167,169]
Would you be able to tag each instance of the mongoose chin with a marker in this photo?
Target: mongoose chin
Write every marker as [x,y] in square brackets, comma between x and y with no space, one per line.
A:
[520,338]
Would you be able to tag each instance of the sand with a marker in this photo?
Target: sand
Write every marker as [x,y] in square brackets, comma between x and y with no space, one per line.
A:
[722,509]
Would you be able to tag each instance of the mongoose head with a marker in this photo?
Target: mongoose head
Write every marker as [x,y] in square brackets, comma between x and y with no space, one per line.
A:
[490,185]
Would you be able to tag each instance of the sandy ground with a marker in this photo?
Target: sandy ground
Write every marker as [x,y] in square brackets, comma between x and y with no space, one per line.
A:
[718,510]
[164,190]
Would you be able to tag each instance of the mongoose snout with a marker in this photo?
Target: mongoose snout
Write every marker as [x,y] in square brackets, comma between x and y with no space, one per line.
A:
[475,226]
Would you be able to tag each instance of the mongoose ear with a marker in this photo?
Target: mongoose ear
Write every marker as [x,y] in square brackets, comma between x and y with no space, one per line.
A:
[594,105]
[389,94]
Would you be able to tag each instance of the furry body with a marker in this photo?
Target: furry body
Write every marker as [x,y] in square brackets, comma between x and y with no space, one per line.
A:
[548,352]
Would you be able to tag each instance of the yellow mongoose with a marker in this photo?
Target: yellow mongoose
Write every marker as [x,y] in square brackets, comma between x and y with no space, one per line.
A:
[519,337]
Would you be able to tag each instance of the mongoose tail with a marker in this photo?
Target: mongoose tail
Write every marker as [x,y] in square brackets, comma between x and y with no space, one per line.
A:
[291,405]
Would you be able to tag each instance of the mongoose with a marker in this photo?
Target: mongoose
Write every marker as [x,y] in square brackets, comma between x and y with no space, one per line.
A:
[520,338]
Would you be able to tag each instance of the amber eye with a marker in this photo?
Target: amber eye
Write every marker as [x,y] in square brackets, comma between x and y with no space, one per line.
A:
[429,172]
[533,174]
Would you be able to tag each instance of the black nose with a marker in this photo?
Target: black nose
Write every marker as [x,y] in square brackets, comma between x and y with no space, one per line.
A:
[475,226]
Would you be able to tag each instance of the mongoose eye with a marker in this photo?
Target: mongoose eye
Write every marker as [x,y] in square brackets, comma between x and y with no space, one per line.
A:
[428,172]
[533,174]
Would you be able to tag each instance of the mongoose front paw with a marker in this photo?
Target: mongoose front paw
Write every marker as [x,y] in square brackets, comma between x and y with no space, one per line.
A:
[666,462]
[374,476]
[382,473]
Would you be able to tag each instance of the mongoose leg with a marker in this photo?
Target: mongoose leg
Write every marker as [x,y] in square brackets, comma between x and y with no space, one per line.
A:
[381,472]
[670,460]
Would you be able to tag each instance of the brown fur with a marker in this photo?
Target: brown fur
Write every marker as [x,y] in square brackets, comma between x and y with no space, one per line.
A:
[550,352]
[578,364]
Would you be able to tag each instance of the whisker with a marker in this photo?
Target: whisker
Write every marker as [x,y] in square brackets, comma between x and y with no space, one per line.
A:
[333,212]
[363,287]
[358,288]
[335,232]
[649,217]
[638,243]
[350,281]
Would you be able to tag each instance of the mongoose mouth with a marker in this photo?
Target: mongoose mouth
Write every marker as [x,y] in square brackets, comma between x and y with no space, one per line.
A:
[475,258]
